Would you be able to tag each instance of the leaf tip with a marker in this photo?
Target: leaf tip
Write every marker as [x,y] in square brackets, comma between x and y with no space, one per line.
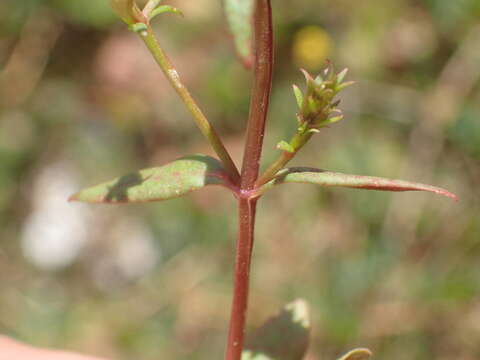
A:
[357,354]
[447,193]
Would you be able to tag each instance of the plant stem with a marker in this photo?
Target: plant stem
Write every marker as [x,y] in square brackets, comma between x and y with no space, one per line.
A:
[276,166]
[297,142]
[263,68]
[202,122]
[246,219]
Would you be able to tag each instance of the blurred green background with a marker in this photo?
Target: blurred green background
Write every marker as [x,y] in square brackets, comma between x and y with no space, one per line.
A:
[81,101]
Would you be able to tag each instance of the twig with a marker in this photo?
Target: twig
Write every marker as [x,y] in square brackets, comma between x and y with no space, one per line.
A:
[200,119]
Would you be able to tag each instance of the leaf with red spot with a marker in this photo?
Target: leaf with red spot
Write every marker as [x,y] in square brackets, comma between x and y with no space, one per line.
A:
[328,178]
[160,183]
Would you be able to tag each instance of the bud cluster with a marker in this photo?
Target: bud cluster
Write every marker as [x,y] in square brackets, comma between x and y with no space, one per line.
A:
[317,106]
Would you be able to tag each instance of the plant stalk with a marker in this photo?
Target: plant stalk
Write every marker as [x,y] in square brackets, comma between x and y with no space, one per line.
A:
[246,219]
[202,122]
[297,142]
[263,69]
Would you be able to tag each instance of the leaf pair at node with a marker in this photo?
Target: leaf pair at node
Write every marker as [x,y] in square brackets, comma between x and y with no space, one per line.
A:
[195,172]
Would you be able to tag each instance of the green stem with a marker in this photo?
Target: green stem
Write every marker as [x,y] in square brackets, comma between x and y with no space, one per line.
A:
[202,122]
[297,142]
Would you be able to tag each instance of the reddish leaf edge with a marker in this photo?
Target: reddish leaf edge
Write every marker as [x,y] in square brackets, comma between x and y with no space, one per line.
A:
[306,175]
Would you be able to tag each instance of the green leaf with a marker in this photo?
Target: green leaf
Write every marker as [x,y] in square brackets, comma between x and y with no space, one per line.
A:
[328,178]
[161,183]
[344,85]
[239,16]
[285,146]
[248,355]
[165,9]
[138,27]
[283,337]
[298,96]
[332,120]
[341,76]
[357,354]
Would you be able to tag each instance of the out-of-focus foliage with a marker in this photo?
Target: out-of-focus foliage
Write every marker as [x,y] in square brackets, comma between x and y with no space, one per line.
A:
[81,101]
[284,336]
[239,16]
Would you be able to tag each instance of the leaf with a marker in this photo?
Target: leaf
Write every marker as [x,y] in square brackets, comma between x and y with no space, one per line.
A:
[248,355]
[283,337]
[341,76]
[160,183]
[328,178]
[165,9]
[298,96]
[285,146]
[357,354]
[239,16]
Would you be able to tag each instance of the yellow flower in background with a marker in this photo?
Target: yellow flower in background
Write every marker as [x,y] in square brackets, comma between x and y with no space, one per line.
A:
[312,45]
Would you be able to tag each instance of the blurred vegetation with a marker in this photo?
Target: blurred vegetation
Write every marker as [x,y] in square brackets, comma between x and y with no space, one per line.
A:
[81,101]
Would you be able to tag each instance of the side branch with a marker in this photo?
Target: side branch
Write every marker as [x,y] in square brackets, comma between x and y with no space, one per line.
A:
[260,99]
[202,122]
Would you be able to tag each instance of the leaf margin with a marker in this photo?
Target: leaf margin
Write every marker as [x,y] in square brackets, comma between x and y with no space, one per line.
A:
[308,175]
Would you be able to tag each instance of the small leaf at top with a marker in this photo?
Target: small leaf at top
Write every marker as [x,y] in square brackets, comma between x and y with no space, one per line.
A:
[161,183]
[341,75]
[283,337]
[357,354]
[165,9]
[328,178]
[298,96]
[285,146]
[239,16]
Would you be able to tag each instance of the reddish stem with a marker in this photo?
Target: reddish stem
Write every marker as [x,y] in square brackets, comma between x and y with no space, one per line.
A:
[263,68]
[246,219]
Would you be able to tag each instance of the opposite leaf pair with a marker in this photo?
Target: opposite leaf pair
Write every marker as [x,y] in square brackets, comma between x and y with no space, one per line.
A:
[194,172]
